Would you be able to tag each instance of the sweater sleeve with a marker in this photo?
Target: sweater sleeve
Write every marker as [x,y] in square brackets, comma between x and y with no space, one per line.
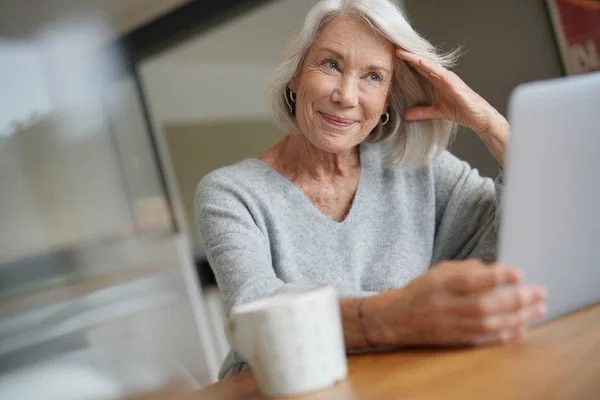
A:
[467,211]
[234,237]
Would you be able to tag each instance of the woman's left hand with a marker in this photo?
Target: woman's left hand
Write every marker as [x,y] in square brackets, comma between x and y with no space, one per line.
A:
[457,102]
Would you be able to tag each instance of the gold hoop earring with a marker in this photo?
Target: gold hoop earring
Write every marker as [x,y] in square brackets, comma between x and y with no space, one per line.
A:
[290,99]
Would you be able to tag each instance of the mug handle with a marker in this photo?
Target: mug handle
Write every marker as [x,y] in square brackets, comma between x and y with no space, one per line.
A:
[241,344]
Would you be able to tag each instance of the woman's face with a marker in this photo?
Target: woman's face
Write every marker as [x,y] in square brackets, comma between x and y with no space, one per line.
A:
[342,87]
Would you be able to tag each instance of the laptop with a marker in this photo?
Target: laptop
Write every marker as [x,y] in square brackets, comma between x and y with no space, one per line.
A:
[551,217]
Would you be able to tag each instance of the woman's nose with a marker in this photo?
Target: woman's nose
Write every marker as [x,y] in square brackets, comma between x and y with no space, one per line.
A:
[346,92]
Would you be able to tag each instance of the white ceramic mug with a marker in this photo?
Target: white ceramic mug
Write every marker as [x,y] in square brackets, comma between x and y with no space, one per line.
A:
[293,341]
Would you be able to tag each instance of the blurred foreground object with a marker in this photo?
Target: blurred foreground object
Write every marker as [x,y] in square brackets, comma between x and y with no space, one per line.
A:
[97,295]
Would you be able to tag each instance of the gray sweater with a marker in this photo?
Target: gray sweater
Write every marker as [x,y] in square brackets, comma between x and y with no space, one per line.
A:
[263,236]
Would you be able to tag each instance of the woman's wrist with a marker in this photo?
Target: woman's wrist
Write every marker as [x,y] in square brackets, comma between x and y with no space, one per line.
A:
[496,136]
[353,336]
[382,316]
[377,321]
[359,320]
[365,323]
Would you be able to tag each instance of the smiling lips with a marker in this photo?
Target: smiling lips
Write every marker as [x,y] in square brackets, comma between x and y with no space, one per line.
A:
[337,121]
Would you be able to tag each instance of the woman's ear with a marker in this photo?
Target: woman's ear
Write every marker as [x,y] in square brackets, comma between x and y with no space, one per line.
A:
[293,84]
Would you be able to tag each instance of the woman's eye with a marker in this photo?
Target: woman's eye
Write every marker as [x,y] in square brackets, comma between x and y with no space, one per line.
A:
[330,64]
[374,77]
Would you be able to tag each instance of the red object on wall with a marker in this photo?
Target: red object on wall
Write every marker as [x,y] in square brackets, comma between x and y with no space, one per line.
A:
[577,27]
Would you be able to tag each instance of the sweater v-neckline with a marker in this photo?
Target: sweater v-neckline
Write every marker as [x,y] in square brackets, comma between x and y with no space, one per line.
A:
[311,207]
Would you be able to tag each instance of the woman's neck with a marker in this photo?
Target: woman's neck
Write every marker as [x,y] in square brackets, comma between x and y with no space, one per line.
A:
[298,159]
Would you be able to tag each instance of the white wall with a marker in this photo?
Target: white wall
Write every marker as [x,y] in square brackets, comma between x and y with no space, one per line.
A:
[187,92]
[24,18]
[24,92]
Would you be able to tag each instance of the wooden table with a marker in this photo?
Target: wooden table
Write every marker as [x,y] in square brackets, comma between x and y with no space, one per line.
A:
[560,360]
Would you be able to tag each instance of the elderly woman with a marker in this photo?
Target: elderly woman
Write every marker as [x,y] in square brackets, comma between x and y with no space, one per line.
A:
[362,195]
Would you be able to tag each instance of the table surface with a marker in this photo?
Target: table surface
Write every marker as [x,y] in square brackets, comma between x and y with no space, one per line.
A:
[559,360]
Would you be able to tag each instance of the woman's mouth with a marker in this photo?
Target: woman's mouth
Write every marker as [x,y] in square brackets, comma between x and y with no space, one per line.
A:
[337,121]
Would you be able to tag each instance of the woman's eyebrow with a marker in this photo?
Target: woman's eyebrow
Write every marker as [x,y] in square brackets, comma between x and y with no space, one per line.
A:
[378,68]
[340,56]
[330,50]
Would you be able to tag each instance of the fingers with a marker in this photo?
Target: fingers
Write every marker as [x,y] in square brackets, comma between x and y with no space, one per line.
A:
[426,65]
[498,323]
[501,301]
[427,68]
[493,329]
[502,337]
[422,113]
[476,277]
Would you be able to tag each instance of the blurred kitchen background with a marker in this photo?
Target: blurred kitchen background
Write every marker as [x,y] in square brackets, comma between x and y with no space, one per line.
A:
[110,114]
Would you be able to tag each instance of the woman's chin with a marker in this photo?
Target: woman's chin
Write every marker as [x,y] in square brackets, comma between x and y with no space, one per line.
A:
[334,143]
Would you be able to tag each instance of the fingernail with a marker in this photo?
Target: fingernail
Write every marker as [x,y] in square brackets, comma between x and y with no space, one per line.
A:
[513,276]
[519,333]
[534,313]
[528,295]
[542,309]
[506,336]
[531,313]
[513,272]
[536,293]
[517,274]
[542,293]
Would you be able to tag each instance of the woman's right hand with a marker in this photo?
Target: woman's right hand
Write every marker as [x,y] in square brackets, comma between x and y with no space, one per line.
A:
[453,304]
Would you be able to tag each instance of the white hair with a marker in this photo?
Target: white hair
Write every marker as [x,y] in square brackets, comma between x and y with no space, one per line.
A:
[411,142]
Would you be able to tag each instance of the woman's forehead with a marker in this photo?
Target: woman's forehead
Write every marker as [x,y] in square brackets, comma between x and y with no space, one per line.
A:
[349,36]
[352,28]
